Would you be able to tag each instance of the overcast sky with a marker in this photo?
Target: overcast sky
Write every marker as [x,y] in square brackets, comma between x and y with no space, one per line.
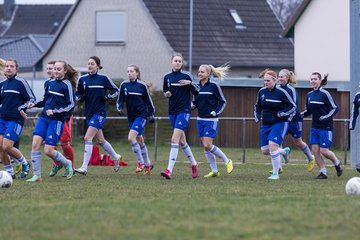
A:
[41,1]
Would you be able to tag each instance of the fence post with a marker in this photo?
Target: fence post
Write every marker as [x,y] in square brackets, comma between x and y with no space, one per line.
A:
[243,138]
[155,139]
[345,140]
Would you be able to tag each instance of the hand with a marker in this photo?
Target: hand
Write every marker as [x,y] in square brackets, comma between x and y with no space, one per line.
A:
[192,106]
[151,119]
[184,82]
[168,94]
[121,112]
[302,115]
[351,128]
[23,114]
[49,112]
[321,118]
[31,105]
[213,113]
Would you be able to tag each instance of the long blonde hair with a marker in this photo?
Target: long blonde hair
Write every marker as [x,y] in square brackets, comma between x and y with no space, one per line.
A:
[220,72]
[2,68]
[290,75]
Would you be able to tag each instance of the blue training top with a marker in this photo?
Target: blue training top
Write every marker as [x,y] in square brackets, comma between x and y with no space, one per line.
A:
[137,98]
[15,96]
[58,97]
[355,111]
[270,103]
[180,101]
[293,93]
[322,106]
[210,98]
[95,89]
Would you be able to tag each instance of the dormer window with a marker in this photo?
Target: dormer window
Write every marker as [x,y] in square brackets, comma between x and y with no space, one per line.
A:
[239,23]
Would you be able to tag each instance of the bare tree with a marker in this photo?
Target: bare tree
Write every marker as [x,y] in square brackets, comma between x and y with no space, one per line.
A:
[284,9]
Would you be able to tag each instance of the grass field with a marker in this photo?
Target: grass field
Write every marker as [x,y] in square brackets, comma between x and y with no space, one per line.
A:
[243,205]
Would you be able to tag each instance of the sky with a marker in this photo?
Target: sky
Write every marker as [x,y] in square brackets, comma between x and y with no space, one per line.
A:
[41,1]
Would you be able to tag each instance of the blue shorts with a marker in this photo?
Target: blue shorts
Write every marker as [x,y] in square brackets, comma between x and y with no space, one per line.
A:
[11,130]
[295,129]
[180,121]
[207,128]
[138,125]
[96,121]
[321,137]
[49,129]
[274,133]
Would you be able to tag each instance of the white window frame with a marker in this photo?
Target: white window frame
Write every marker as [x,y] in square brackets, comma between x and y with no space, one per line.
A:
[115,27]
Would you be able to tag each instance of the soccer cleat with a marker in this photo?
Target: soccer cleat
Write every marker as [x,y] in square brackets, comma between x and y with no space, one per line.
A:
[35,178]
[358,169]
[148,169]
[339,170]
[69,170]
[194,171]
[287,155]
[274,176]
[140,167]
[212,174]
[13,176]
[54,170]
[81,171]
[117,163]
[25,170]
[18,168]
[311,164]
[279,172]
[229,166]
[321,176]
[166,174]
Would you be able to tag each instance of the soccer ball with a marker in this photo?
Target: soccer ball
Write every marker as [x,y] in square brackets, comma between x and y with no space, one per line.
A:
[353,186]
[5,179]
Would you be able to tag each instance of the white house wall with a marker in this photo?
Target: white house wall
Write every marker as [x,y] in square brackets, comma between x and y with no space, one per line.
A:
[145,45]
[322,41]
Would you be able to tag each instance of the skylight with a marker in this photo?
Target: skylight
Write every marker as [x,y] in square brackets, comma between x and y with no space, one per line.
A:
[239,23]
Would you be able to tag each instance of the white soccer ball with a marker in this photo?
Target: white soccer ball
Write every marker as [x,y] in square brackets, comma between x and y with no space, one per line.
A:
[5,179]
[353,186]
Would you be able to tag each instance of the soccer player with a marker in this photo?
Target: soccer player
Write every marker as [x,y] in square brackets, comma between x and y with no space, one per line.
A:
[139,107]
[210,103]
[354,115]
[323,107]
[178,85]
[286,78]
[15,97]
[65,138]
[275,108]
[95,89]
[58,101]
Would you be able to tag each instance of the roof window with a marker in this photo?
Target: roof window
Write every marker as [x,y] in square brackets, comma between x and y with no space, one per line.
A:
[239,23]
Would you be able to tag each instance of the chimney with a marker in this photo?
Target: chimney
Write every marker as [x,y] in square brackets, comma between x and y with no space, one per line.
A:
[9,6]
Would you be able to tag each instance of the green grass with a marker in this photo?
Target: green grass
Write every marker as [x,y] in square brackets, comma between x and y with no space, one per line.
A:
[243,205]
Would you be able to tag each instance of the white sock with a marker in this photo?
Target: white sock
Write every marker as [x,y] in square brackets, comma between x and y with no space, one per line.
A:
[281,151]
[16,162]
[323,171]
[9,169]
[136,149]
[36,162]
[87,154]
[173,155]
[276,161]
[220,154]
[336,162]
[58,157]
[110,150]
[22,160]
[187,150]
[145,155]
[307,152]
[211,160]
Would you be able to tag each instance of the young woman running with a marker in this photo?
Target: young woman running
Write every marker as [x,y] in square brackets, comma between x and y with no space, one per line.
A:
[286,78]
[15,96]
[58,101]
[95,89]
[323,107]
[139,107]
[275,108]
[210,103]
[178,86]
